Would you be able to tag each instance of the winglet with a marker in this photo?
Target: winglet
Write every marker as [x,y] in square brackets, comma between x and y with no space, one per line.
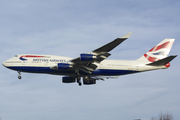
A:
[127,35]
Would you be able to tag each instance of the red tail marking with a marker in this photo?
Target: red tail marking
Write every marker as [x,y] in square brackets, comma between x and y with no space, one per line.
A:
[151,59]
[152,49]
[167,65]
[164,45]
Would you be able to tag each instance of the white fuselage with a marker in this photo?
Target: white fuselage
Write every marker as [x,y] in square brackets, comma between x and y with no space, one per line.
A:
[105,68]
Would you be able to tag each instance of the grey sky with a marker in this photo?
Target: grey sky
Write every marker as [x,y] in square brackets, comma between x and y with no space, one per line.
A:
[68,28]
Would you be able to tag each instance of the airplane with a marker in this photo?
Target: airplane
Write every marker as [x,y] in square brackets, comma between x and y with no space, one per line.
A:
[93,66]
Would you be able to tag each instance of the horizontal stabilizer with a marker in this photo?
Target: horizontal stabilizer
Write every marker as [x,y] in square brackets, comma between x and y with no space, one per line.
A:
[163,61]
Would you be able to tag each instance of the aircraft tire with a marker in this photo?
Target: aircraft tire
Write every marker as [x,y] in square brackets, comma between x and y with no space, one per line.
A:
[80,84]
[19,77]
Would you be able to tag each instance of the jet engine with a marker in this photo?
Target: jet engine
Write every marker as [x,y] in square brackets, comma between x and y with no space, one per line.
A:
[63,66]
[87,57]
[88,81]
[68,80]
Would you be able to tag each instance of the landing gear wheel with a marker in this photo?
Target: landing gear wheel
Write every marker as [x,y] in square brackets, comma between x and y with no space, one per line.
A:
[19,77]
[19,74]
[80,83]
[78,77]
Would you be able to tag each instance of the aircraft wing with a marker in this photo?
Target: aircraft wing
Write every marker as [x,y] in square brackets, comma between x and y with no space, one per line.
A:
[108,47]
[86,60]
[102,52]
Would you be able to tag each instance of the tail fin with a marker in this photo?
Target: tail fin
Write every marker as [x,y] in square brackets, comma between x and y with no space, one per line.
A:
[158,52]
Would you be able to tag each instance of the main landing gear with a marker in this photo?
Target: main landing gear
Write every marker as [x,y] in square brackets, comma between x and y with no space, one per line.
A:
[78,79]
[19,74]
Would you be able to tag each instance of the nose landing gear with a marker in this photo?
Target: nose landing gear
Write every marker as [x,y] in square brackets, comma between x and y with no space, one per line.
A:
[19,77]
[19,74]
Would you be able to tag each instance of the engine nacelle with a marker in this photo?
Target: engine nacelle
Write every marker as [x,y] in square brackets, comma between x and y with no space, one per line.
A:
[68,80]
[63,66]
[89,82]
[87,57]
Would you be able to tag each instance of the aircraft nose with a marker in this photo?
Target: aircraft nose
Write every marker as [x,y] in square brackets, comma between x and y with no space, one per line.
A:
[4,64]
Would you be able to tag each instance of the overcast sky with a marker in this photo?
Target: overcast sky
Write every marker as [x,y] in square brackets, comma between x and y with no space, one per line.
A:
[68,28]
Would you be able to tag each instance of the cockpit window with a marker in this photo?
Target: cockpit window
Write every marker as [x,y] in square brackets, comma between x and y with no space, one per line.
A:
[16,56]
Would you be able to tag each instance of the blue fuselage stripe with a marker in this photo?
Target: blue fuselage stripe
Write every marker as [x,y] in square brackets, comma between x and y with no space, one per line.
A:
[109,72]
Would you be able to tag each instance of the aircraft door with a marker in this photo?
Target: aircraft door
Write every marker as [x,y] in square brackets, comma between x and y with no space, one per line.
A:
[24,63]
[46,64]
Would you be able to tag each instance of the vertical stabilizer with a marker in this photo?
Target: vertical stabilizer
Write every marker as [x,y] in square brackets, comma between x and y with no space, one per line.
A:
[158,52]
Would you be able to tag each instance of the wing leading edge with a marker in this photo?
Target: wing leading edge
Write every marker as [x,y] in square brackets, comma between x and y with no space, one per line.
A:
[85,61]
[108,47]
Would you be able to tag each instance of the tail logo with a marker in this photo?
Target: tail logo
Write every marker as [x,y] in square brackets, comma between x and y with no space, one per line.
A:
[157,55]
[151,59]
[164,45]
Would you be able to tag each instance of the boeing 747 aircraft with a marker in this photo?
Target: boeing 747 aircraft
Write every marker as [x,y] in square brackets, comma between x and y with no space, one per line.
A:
[93,66]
